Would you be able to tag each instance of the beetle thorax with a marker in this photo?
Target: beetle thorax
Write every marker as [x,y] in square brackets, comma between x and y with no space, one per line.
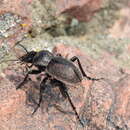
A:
[42,58]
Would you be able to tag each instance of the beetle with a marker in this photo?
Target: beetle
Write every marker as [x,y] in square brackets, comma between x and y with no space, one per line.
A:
[59,70]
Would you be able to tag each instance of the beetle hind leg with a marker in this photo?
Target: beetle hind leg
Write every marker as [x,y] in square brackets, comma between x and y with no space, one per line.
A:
[65,94]
[64,90]
[73,59]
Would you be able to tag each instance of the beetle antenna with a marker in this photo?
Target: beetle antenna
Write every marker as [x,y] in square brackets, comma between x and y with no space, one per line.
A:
[23,47]
[18,43]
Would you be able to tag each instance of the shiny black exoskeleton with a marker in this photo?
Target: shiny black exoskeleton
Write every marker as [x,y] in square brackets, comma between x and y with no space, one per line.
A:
[58,70]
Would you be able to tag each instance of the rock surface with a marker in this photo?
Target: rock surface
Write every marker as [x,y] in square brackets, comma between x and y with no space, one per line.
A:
[83,10]
[102,104]
[121,28]
[15,22]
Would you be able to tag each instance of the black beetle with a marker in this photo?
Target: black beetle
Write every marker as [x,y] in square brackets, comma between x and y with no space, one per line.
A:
[60,71]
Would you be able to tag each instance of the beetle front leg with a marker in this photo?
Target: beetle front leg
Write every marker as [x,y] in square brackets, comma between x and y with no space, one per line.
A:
[25,78]
[81,69]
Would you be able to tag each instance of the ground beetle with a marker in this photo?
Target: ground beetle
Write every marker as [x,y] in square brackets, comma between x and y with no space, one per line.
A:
[60,71]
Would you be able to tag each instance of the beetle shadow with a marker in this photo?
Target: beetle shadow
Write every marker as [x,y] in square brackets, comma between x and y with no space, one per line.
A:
[50,97]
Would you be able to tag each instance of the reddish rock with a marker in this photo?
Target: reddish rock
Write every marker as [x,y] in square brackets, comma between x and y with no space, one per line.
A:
[107,102]
[16,6]
[14,29]
[20,113]
[11,101]
[83,10]
[99,97]
[121,108]
[121,28]
[101,104]
[97,106]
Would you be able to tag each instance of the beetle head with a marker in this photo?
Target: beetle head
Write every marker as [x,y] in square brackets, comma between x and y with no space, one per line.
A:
[28,58]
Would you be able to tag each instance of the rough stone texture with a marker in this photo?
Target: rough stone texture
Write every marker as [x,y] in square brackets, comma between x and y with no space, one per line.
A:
[14,6]
[47,117]
[121,28]
[102,104]
[120,112]
[97,105]
[83,10]
[15,22]
[101,96]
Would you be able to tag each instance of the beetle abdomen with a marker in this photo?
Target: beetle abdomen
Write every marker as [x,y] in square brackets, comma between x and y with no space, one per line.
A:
[64,70]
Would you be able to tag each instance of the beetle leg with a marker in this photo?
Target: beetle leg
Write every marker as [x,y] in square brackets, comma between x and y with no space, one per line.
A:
[81,69]
[42,88]
[25,78]
[65,94]
[63,89]
[55,82]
